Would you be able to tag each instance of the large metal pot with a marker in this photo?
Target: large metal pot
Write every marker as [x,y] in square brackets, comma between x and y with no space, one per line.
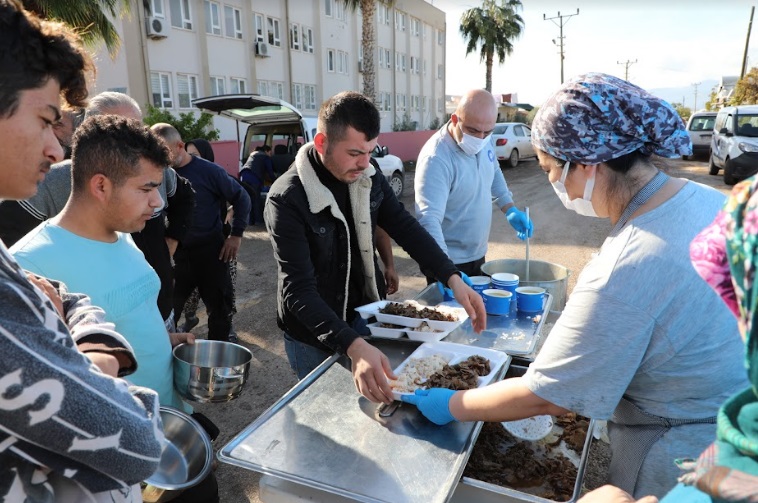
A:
[211,371]
[551,277]
[186,459]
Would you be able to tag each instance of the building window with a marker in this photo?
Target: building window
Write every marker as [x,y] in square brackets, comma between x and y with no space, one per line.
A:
[181,15]
[385,102]
[273,32]
[259,35]
[232,22]
[387,60]
[339,10]
[218,85]
[400,102]
[330,60]
[426,30]
[328,7]
[161,89]
[297,95]
[400,21]
[381,58]
[263,88]
[414,65]
[186,90]
[212,18]
[383,14]
[342,63]
[239,86]
[425,103]
[440,72]
[156,8]
[276,89]
[310,97]
[415,27]
[440,37]
[424,67]
[415,103]
[295,37]
[307,40]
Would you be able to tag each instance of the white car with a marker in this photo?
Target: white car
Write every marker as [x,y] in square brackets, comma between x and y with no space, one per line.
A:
[276,123]
[734,146]
[512,141]
[700,129]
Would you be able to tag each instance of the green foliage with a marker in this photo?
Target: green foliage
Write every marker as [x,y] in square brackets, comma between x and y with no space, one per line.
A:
[683,111]
[492,28]
[90,18]
[189,126]
[406,124]
[435,124]
[746,90]
[530,116]
[712,103]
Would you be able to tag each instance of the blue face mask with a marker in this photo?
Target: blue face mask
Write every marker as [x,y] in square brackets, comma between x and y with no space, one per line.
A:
[581,206]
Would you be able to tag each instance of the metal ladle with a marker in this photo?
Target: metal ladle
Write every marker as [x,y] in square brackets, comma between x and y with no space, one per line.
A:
[527,247]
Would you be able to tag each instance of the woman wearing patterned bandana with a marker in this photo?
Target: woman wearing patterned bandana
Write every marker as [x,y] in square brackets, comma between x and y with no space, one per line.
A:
[642,342]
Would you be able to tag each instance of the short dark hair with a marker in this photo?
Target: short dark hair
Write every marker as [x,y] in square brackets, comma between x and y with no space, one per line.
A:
[263,148]
[348,109]
[113,146]
[35,51]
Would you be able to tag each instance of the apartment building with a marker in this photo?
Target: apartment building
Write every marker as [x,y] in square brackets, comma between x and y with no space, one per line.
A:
[301,51]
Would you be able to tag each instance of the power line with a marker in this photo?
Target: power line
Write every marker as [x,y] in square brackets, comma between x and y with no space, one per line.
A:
[560,24]
[626,64]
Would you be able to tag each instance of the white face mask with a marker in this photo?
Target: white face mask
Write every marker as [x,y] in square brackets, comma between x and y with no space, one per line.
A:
[471,145]
[582,206]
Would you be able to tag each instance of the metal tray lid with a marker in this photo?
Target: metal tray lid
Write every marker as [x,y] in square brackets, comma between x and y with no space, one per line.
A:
[323,434]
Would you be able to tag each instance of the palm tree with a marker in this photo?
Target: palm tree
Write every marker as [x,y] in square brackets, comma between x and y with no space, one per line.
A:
[89,17]
[493,27]
[368,41]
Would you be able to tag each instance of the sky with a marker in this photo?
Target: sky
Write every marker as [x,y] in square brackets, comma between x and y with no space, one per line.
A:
[676,44]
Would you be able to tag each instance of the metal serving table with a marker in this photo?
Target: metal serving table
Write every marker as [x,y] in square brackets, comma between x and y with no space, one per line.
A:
[324,435]
[516,333]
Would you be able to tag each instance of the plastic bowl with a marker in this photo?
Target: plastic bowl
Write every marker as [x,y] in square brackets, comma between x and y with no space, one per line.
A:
[185,461]
[211,371]
[531,428]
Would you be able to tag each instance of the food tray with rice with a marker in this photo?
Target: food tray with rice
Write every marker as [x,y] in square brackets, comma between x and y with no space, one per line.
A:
[410,313]
[446,365]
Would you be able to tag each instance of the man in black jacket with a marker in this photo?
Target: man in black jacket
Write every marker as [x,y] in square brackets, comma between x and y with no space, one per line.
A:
[321,216]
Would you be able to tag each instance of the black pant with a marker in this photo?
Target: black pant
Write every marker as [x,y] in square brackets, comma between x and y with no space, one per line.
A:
[152,241]
[473,268]
[199,266]
[256,208]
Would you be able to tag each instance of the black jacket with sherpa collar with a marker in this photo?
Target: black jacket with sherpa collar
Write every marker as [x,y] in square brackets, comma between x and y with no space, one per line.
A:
[311,246]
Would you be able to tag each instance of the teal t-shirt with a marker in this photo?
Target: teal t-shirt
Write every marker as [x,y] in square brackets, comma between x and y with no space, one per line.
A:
[117,278]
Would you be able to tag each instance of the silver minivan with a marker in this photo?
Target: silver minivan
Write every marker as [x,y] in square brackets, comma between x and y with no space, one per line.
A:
[734,146]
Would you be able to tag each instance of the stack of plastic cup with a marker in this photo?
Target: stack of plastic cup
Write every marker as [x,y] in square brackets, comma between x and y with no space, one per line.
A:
[505,281]
[480,283]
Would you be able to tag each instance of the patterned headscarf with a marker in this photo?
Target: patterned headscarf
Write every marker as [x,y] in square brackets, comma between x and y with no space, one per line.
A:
[725,254]
[595,117]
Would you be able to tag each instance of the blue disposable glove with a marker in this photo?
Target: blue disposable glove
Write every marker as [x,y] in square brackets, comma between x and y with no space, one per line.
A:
[520,222]
[447,293]
[433,403]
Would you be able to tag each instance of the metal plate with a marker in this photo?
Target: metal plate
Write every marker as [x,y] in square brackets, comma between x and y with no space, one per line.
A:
[516,333]
[324,435]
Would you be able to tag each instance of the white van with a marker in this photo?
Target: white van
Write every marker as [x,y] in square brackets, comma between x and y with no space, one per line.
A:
[276,123]
[734,147]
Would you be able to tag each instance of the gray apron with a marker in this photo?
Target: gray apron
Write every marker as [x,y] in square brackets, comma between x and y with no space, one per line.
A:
[632,430]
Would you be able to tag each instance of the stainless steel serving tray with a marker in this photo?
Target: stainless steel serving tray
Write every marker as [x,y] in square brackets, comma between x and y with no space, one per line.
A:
[473,490]
[515,334]
[324,435]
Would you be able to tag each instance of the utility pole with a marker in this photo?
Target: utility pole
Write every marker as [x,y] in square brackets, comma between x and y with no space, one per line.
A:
[560,24]
[747,43]
[626,64]
[694,107]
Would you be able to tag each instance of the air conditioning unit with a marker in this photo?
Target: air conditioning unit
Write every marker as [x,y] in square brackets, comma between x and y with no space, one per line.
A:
[360,65]
[156,28]
[261,49]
